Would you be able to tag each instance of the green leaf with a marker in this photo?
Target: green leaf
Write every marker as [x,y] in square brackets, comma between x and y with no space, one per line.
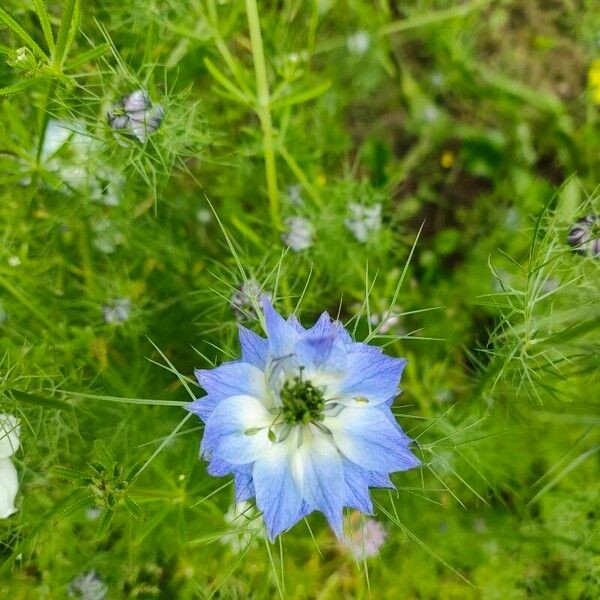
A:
[104,522]
[38,400]
[69,474]
[66,33]
[42,14]
[226,83]
[132,471]
[303,96]
[19,31]
[17,87]
[133,507]
[146,401]
[86,57]
[103,453]
[80,501]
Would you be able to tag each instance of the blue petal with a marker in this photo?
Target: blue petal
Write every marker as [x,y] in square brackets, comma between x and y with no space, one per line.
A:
[242,476]
[277,495]
[232,379]
[318,467]
[237,430]
[282,335]
[385,408]
[342,334]
[357,487]
[293,321]
[244,486]
[380,480]
[371,376]
[323,326]
[254,347]
[368,438]
[320,353]
[203,407]
[218,467]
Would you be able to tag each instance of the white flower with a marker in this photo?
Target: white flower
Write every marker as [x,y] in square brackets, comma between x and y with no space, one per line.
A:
[9,483]
[92,514]
[203,216]
[108,237]
[358,43]
[364,538]
[364,220]
[88,587]
[246,525]
[117,310]
[294,193]
[14,261]
[299,233]
[431,113]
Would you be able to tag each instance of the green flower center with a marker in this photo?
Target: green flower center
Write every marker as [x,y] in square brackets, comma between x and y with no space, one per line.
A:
[302,402]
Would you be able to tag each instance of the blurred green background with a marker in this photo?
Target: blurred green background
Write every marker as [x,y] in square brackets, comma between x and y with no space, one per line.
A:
[469,131]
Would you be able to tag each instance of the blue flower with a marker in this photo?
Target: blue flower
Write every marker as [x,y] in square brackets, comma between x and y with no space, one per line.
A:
[303,421]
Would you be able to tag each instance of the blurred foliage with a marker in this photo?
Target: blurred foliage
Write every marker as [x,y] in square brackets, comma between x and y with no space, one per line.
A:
[474,125]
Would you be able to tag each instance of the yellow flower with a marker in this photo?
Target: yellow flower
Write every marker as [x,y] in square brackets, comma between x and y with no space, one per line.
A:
[447,159]
[594,73]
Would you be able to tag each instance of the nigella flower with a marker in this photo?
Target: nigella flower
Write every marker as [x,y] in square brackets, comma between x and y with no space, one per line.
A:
[294,193]
[9,482]
[88,587]
[245,526]
[135,114]
[584,236]
[244,299]
[365,537]
[364,220]
[107,236]
[299,234]
[386,323]
[117,311]
[303,421]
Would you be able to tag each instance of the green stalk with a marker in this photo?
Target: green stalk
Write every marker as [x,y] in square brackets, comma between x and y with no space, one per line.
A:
[44,118]
[65,33]
[264,112]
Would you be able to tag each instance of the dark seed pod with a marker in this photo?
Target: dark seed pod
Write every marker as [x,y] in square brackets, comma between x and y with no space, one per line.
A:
[244,300]
[584,236]
[135,114]
[117,121]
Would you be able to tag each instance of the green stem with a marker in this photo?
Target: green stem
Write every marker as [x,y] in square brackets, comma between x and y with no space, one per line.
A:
[64,33]
[44,118]
[264,113]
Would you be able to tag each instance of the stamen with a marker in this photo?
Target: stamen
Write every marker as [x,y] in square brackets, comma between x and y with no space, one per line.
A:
[302,402]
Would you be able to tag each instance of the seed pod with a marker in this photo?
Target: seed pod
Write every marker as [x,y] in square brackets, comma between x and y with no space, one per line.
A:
[135,114]
[244,299]
[136,102]
[145,122]
[584,236]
